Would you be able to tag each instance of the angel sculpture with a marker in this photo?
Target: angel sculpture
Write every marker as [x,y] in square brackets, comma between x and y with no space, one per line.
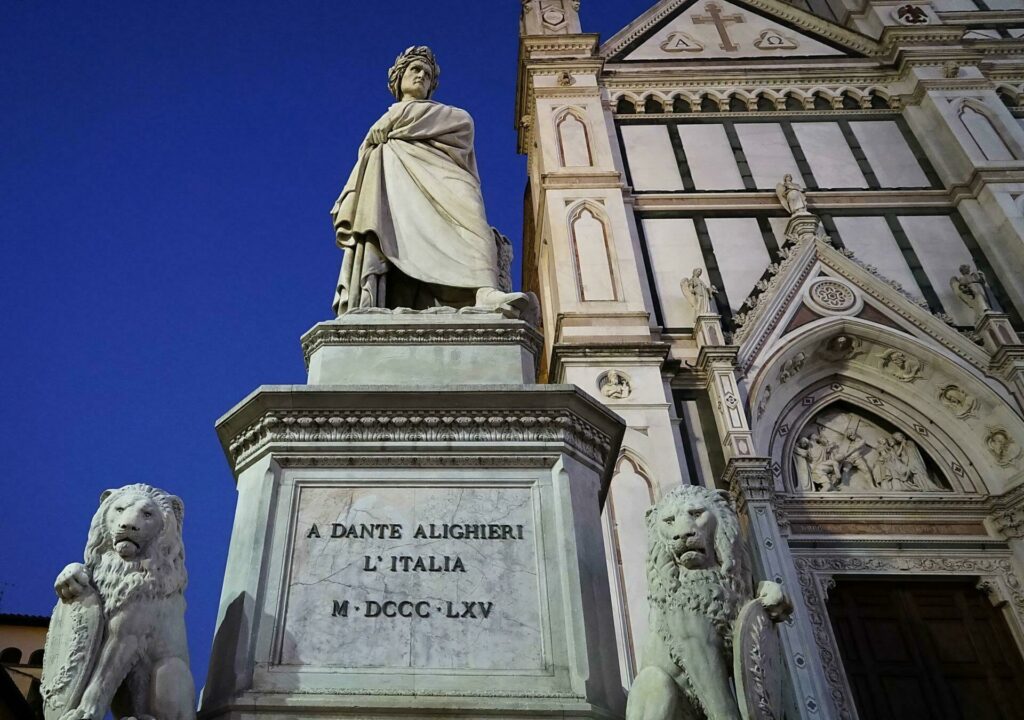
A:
[791,196]
[972,289]
[698,292]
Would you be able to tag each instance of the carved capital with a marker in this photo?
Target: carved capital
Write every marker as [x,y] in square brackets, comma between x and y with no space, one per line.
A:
[750,480]
[1009,522]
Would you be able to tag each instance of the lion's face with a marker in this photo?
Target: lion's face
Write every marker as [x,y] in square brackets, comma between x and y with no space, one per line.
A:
[687,527]
[133,522]
[134,547]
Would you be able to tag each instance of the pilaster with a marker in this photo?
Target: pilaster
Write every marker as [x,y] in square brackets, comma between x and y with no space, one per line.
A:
[752,484]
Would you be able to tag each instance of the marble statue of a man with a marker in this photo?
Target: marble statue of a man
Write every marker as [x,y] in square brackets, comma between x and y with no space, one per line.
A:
[411,216]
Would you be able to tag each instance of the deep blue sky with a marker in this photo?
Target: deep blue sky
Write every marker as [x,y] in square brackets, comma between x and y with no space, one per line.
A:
[166,171]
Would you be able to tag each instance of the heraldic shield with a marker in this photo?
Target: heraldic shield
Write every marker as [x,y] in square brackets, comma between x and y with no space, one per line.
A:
[73,645]
[757,663]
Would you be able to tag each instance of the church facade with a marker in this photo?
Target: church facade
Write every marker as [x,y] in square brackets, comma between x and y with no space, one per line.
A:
[785,243]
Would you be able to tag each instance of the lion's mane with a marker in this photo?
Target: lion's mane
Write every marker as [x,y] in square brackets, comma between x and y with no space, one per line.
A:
[716,593]
[158,572]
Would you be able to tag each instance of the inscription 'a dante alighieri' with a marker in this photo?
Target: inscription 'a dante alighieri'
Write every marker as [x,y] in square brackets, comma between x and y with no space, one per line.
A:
[437,576]
[444,531]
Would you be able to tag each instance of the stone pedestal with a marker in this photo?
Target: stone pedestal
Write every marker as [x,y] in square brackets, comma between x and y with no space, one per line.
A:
[413,549]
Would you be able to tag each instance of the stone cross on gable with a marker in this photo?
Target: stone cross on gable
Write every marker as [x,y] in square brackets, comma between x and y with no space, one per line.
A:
[720,22]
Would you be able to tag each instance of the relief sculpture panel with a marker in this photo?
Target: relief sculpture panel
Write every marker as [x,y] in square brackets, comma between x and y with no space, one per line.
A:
[845,451]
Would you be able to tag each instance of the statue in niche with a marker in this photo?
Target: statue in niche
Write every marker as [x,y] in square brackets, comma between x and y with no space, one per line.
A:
[411,217]
[903,367]
[972,289]
[615,386]
[958,400]
[792,196]
[844,451]
[712,651]
[699,293]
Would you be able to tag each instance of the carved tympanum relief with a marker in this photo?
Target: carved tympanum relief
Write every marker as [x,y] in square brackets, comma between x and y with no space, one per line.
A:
[958,400]
[903,367]
[1003,447]
[615,385]
[842,450]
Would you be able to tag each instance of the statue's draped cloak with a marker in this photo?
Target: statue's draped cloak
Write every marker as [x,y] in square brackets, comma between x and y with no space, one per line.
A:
[415,202]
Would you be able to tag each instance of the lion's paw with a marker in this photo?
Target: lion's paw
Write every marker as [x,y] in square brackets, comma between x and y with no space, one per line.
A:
[774,601]
[72,583]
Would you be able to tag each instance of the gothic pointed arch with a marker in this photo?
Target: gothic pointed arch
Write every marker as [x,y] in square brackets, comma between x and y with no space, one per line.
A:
[987,131]
[573,135]
[592,252]
[631,493]
[964,419]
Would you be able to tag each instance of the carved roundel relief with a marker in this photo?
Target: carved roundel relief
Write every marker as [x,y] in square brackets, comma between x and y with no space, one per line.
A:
[615,385]
[832,296]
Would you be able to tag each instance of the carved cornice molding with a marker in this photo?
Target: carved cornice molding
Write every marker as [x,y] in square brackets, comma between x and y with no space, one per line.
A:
[414,460]
[419,426]
[429,419]
[581,179]
[709,355]
[632,353]
[507,332]
[898,38]
[818,199]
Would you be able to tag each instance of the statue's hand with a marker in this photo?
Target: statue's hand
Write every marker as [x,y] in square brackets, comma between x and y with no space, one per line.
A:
[379,133]
[72,583]
[774,600]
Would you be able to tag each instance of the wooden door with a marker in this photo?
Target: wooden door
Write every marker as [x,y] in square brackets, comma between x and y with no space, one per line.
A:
[929,650]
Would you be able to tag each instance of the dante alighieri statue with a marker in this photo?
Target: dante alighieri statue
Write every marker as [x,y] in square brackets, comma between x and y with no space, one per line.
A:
[411,216]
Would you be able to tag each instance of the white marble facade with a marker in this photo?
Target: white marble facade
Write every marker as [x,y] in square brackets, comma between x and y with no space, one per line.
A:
[847,325]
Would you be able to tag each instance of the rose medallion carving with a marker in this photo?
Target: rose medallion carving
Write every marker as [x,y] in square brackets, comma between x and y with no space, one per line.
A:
[831,296]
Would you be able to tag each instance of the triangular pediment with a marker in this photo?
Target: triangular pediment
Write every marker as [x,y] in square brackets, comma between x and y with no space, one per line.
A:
[817,280]
[679,30]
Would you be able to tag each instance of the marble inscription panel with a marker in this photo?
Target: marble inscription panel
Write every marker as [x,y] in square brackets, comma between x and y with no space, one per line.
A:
[414,577]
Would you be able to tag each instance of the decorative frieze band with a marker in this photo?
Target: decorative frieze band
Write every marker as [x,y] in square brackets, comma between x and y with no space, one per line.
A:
[418,425]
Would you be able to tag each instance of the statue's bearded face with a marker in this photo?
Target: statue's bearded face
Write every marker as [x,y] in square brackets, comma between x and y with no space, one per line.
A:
[133,522]
[417,81]
[688,528]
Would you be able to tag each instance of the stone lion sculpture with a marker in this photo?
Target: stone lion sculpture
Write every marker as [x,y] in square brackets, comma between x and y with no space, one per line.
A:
[117,638]
[700,595]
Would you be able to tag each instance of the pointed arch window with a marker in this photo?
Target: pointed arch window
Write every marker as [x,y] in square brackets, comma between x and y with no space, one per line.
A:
[588,231]
[573,139]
